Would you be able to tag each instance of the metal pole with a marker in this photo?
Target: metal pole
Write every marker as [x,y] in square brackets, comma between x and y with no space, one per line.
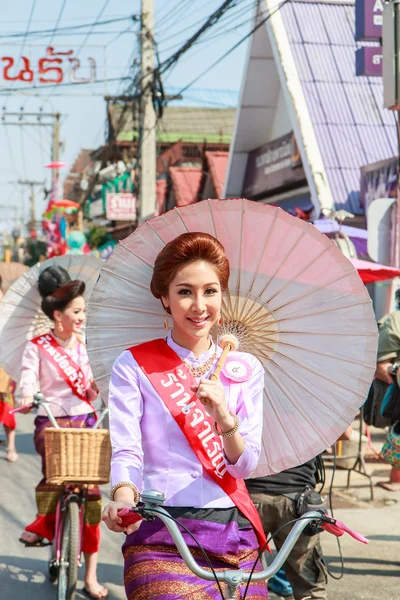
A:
[56,154]
[147,149]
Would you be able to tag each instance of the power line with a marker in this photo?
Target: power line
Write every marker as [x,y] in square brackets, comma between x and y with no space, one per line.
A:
[278,8]
[92,27]
[28,26]
[68,28]
[212,20]
[58,21]
[60,85]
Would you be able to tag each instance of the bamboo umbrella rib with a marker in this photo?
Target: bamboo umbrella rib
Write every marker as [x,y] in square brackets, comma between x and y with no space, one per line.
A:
[149,226]
[282,262]
[123,278]
[313,289]
[317,373]
[344,333]
[125,247]
[319,353]
[126,309]
[322,303]
[111,327]
[318,398]
[262,254]
[301,272]
[240,242]
[278,416]
[322,312]
[182,220]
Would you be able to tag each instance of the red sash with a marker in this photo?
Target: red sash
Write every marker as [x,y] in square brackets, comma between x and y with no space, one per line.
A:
[67,368]
[172,380]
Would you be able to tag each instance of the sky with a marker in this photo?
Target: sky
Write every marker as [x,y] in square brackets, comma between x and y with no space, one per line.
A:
[24,150]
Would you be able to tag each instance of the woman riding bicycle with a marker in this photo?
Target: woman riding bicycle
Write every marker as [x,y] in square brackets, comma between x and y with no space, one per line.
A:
[193,438]
[48,363]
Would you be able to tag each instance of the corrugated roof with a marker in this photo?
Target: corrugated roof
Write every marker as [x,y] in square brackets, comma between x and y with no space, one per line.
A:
[186,184]
[181,122]
[218,163]
[351,125]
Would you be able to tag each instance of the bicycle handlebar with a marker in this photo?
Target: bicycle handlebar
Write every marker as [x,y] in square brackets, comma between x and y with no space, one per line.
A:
[39,400]
[151,507]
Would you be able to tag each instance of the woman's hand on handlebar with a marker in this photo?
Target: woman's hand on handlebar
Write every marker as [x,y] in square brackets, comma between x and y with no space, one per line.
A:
[113,521]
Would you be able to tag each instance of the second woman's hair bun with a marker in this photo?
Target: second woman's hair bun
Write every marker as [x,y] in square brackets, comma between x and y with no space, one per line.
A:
[51,279]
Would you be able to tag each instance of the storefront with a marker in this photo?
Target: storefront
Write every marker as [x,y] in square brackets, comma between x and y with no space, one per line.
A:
[306,124]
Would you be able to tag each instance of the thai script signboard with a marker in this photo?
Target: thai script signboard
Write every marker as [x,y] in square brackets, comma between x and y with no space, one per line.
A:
[121,207]
[369,19]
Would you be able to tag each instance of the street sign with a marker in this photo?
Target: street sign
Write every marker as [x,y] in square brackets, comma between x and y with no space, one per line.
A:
[369,61]
[369,19]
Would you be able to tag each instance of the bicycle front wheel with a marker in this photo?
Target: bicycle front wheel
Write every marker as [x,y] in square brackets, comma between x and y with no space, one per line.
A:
[68,570]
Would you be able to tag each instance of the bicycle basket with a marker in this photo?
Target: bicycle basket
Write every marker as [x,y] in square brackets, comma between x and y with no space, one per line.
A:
[77,455]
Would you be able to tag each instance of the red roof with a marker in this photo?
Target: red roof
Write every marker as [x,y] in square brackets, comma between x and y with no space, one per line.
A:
[186,184]
[217,164]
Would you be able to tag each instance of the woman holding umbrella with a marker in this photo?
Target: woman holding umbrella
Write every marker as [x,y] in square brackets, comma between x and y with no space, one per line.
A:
[159,397]
[70,399]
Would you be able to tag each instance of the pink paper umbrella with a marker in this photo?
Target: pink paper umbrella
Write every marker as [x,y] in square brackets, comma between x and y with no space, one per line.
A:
[56,164]
[294,301]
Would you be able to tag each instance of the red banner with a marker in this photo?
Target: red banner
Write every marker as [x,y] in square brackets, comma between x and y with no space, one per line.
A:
[68,369]
[172,380]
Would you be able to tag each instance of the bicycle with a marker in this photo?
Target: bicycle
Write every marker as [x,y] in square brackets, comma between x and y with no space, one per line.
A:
[66,547]
[151,507]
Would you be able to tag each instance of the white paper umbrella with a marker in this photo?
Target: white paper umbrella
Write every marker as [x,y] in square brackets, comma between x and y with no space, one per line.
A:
[294,301]
[21,318]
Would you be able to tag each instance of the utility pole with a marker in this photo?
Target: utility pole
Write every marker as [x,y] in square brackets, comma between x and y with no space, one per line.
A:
[32,223]
[37,119]
[147,139]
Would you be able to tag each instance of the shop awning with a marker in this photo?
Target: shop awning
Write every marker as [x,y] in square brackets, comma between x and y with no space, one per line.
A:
[371,272]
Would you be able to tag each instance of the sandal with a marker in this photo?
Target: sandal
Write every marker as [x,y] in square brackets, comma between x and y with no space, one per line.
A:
[94,595]
[37,542]
[12,455]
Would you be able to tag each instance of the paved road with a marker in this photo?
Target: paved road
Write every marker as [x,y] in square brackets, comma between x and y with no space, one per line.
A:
[371,571]
[23,571]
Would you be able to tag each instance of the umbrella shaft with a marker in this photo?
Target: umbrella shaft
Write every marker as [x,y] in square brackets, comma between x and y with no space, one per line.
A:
[221,361]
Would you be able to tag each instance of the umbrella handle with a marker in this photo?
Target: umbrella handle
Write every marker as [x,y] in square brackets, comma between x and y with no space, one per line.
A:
[214,376]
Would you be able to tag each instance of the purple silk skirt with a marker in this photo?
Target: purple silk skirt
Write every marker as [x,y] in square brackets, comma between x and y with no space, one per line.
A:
[154,569]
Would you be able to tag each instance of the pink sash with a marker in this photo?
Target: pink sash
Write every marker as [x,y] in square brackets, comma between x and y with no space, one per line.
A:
[172,380]
[67,368]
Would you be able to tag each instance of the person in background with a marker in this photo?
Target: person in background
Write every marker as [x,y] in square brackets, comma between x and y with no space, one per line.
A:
[71,404]
[275,497]
[7,403]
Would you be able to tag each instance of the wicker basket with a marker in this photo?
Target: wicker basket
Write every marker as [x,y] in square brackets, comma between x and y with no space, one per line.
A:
[77,455]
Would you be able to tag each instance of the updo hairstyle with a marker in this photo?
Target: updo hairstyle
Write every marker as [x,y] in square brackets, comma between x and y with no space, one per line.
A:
[183,250]
[58,290]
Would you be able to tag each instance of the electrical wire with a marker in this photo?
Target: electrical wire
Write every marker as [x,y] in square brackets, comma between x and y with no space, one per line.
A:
[67,28]
[330,495]
[228,52]
[204,553]
[92,27]
[271,537]
[60,14]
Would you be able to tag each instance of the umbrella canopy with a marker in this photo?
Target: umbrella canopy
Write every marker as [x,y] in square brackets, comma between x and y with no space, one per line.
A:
[56,164]
[9,272]
[64,204]
[294,301]
[370,272]
[21,317]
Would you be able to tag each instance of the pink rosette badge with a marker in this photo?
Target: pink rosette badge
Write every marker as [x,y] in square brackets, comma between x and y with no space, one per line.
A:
[237,369]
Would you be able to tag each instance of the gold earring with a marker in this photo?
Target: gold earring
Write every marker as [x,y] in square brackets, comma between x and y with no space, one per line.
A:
[166,323]
[59,327]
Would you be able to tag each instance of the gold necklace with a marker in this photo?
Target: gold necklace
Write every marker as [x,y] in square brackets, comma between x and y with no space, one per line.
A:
[64,343]
[201,369]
